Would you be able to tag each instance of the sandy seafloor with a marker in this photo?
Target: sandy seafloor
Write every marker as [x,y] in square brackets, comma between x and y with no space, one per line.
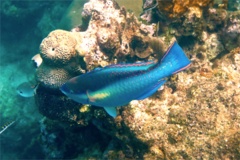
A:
[20,36]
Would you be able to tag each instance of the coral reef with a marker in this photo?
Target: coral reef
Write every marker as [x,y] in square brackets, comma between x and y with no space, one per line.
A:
[61,141]
[112,34]
[58,48]
[216,18]
[209,47]
[192,18]
[175,9]
[194,116]
[231,33]
[60,59]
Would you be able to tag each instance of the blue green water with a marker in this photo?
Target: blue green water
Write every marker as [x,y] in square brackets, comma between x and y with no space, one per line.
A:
[23,25]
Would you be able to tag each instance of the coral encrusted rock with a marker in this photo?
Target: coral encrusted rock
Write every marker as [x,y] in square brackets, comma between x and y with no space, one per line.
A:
[112,35]
[111,32]
[195,116]
[173,9]
[61,61]
[58,48]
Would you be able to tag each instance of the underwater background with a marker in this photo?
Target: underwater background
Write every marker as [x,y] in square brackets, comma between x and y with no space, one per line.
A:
[196,115]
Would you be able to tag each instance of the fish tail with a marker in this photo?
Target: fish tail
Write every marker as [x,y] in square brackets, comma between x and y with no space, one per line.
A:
[174,60]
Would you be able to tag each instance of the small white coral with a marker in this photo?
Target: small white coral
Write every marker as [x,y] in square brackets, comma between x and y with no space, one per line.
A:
[37,59]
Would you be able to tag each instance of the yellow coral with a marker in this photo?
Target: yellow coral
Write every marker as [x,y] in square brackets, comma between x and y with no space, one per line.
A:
[84,108]
[176,8]
[58,48]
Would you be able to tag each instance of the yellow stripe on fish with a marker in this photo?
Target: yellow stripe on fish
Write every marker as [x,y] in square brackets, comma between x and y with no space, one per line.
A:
[96,96]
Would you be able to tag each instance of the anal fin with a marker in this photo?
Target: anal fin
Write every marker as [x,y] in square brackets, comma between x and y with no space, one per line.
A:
[111,111]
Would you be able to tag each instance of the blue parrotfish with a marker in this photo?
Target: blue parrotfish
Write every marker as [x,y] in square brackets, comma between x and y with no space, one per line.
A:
[117,85]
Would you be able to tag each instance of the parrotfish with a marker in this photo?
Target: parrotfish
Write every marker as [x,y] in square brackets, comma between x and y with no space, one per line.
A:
[117,85]
[26,89]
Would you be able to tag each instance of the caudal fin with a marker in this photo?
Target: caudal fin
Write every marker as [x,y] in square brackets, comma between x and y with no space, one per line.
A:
[175,60]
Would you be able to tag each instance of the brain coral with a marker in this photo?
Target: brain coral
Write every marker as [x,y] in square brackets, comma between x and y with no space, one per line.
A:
[52,78]
[58,48]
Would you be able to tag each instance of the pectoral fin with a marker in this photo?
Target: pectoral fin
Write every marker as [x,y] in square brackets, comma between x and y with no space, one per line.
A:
[111,111]
[151,91]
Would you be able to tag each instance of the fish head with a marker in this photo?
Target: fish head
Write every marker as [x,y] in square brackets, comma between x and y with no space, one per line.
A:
[26,89]
[75,93]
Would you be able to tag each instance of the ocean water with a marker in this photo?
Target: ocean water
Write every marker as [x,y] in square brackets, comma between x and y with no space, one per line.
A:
[26,133]
[23,25]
